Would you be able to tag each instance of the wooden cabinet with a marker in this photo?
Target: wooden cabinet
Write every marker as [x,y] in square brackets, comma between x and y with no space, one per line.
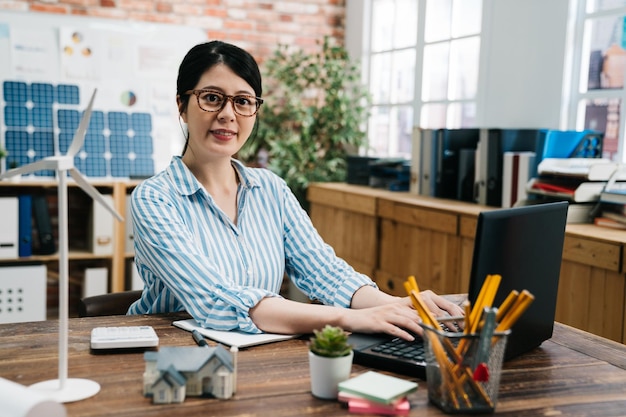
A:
[348,222]
[80,256]
[401,234]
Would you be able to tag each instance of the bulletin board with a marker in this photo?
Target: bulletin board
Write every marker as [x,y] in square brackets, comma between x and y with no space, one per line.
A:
[49,67]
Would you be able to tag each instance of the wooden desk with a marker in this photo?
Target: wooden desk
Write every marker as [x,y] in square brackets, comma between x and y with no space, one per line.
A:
[573,373]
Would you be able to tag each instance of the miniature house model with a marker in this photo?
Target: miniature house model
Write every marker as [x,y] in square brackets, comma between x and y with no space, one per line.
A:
[174,372]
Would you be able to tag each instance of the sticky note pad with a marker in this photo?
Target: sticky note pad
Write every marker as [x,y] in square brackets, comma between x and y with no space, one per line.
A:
[378,387]
[358,406]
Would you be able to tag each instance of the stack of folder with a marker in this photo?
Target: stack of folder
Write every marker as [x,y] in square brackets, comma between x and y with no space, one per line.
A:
[376,393]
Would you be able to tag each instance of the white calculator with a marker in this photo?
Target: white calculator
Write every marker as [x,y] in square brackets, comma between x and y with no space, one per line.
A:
[123,337]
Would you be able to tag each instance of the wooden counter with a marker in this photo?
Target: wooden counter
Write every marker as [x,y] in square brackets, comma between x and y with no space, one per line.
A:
[390,235]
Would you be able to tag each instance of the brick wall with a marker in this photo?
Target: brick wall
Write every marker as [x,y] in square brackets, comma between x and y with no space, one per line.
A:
[255,25]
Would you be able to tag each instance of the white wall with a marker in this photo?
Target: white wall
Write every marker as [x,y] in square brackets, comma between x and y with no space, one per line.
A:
[522,63]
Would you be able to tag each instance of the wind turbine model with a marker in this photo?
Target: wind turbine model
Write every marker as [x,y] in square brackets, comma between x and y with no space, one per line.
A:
[64,389]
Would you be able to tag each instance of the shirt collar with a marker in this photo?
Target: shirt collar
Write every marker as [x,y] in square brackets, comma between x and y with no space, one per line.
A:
[187,184]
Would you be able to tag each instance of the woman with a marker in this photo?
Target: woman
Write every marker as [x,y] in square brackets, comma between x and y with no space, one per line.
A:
[215,238]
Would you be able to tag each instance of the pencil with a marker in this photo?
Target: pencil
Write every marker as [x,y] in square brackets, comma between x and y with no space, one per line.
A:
[423,311]
[413,282]
[485,299]
[523,302]
[506,304]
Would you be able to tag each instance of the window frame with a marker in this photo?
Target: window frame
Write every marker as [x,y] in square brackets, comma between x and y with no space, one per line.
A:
[573,96]
[363,9]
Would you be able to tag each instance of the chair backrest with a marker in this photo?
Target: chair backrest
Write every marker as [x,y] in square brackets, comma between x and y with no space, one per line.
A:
[107,304]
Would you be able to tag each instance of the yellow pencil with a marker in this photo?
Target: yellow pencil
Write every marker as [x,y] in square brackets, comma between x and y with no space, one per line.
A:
[423,311]
[523,302]
[485,299]
[413,282]
[506,304]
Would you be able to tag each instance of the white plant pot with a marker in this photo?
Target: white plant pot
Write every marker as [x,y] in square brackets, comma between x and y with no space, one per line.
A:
[326,373]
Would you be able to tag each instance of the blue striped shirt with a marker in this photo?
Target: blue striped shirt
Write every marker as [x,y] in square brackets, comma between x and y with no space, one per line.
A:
[192,257]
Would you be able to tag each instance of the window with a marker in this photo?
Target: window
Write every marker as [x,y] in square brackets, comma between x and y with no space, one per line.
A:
[598,65]
[391,76]
[422,59]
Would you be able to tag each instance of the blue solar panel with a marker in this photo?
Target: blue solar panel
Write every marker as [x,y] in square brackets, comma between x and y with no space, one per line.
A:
[68,94]
[65,139]
[16,116]
[120,167]
[92,166]
[42,93]
[96,123]
[117,144]
[15,92]
[17,144]
[142,145]
[95,144]
[118,122]
[141,122]
[43,145]
[42,117]
[142,167]
[68,120]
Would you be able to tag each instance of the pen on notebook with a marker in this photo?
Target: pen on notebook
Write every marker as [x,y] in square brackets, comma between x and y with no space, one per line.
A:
[200,340]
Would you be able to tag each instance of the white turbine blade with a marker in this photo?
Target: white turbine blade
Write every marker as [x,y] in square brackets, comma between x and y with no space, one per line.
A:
[79,136]
[93,193]
[40,165]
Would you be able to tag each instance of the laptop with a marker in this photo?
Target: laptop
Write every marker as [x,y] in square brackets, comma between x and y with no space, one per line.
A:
[522,244]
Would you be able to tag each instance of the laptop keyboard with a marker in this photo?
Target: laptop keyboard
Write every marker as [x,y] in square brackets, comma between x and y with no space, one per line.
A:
[401,348]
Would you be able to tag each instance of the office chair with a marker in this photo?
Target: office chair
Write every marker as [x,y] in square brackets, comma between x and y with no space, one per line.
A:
[107,304]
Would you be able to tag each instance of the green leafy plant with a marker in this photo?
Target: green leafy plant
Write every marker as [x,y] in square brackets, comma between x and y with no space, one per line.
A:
[330,342]
[314,115]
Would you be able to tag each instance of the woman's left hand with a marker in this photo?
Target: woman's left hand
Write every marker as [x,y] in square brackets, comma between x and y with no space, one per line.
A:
[440,306]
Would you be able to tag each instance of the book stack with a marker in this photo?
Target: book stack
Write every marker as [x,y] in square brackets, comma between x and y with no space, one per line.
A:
[612,207]
[376,393]
[581,181]
[613,216]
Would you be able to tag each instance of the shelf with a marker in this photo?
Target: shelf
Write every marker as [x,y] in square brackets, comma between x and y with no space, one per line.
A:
[80,205]
[73,256]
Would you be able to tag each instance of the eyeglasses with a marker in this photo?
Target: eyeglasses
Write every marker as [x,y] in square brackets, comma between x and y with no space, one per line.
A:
[214,101]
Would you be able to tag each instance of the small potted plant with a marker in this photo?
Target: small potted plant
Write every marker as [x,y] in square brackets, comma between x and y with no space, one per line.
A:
[330,361]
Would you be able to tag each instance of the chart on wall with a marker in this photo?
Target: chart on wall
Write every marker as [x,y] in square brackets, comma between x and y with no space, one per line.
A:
[55,63]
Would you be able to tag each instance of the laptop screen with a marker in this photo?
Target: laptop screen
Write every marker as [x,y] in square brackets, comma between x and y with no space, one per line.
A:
[524,245]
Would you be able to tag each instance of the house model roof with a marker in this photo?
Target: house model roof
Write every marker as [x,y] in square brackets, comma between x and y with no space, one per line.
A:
[188,359]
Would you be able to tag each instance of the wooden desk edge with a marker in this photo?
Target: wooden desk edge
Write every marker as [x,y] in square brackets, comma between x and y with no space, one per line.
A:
[590,344]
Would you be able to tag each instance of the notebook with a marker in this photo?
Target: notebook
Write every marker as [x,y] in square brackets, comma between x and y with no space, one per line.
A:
[233,337]
[381,388]
[522,244]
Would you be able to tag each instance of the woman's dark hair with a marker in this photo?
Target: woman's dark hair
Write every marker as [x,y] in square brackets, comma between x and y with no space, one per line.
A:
[204,56]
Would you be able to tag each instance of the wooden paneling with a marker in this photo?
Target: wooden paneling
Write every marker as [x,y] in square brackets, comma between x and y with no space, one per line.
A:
[432,256]
[359,200]
[352,233]
[416,216]
[592,299]
[591,252]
